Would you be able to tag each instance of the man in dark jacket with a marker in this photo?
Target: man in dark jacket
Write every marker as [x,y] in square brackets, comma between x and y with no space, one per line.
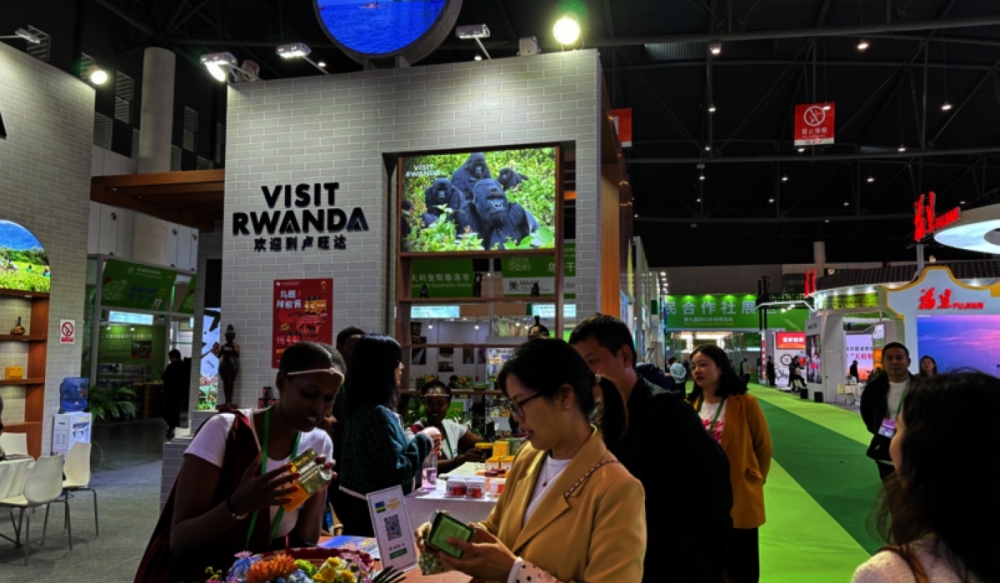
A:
[881,402]
[684,471]
[176,382]
[656,376]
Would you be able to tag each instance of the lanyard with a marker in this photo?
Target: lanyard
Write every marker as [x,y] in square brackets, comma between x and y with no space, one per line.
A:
[263,470]
[711,430]
[447,439]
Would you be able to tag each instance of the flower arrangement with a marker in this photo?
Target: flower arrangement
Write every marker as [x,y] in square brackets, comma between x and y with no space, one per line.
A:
[463,382]
[341,567]
[422,380]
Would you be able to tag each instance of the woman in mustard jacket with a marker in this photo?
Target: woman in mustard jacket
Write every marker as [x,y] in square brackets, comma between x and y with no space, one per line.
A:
[570,511]
[736,421]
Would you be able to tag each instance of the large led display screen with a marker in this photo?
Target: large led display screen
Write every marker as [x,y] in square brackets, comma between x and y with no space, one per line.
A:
[378,27]
[476,201]
[958,342]
[24,265]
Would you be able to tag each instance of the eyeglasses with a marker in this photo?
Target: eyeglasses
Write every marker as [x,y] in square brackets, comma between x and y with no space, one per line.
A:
[517,408]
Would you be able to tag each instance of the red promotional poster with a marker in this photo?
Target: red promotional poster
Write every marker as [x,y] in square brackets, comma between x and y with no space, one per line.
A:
[791,340]
[623,123]
[814,124]
[302,312]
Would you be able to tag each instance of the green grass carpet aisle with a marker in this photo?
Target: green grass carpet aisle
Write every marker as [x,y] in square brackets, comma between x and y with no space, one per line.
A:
[819,494]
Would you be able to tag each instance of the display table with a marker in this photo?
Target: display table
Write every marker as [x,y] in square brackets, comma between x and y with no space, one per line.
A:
[13,474]
[422,504]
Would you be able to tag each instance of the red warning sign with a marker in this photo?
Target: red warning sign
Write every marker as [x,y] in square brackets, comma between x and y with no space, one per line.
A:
[67,332]
[814,123]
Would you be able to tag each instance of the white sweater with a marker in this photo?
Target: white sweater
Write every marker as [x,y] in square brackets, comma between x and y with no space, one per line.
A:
[889,567]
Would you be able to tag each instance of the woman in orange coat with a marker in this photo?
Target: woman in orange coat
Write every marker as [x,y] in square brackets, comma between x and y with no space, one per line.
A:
[736,421]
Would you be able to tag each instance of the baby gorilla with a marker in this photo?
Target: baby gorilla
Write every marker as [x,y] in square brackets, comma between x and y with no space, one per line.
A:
[491,214]
[441,193]
[509,178]
[472,171]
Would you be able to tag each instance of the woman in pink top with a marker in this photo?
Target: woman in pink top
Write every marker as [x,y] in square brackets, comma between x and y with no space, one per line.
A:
[937,511]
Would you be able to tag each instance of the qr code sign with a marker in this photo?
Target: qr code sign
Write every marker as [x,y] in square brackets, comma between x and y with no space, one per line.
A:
[392,528]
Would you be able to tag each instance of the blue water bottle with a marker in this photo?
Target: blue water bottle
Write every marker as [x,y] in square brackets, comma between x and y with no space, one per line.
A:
[73,394]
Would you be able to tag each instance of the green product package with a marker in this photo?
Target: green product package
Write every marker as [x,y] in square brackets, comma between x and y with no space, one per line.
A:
[444,527]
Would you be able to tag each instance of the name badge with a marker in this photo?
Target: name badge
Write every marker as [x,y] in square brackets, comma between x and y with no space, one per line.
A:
[888,428]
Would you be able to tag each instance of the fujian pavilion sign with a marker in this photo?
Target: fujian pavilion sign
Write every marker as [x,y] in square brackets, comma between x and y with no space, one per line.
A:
[306,218]
[926,222]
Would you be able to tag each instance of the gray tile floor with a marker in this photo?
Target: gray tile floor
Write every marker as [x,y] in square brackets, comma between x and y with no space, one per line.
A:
[128,490]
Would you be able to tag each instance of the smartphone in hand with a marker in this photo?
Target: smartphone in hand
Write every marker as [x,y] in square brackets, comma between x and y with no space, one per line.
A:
[443,527]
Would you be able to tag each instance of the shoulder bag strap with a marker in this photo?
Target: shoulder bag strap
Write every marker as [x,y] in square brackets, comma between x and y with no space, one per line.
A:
[584,477]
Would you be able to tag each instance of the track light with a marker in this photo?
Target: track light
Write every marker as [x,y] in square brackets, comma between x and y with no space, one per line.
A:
[946,106]
[715,48]
[711,108]
[300,51]
[863,45]
[219,64]
[566,30]
[28,36]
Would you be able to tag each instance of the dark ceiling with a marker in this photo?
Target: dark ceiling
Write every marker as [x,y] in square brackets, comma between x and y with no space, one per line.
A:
[775,54]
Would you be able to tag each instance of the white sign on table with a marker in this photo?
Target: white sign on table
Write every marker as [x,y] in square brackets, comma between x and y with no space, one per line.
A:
[396,544]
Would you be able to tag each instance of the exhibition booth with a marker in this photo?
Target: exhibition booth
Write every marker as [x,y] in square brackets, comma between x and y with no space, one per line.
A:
[954,320]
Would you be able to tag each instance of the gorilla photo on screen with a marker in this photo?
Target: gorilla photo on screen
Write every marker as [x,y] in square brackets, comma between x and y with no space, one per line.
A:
[510,178]
[470,173]
[441,193]
[491,214]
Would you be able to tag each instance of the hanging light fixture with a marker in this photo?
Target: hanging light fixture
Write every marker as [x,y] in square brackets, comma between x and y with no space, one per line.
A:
[871,178]
[715,48]
[863,45]
[711,108]
[784,178]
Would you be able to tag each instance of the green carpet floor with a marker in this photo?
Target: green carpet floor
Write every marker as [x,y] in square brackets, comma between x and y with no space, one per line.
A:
[820,492]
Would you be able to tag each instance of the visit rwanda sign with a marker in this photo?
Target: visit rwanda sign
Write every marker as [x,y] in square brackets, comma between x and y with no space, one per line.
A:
[711,312]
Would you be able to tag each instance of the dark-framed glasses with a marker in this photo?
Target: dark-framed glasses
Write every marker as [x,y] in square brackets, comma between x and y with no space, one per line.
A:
[517,408]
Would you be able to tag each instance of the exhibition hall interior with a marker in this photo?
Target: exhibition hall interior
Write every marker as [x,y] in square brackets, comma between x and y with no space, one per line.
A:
[440,291]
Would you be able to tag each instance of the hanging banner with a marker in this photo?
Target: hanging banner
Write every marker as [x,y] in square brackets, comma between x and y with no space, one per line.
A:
[302,312]
[814,124]
[536,275]
[713,312]
[790,340]
[623,124]
[137,287]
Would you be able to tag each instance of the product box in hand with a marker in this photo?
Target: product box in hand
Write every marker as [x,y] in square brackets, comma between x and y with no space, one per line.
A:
[14,373]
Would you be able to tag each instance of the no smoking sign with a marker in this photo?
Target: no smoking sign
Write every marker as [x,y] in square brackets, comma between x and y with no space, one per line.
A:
[814,123]
[67,332]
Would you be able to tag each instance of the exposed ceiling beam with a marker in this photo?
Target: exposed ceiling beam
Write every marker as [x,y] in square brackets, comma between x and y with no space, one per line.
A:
[786,62]
[760,220]
[99,193]
[819,158]
[965,101]
[608,21]
[129,19]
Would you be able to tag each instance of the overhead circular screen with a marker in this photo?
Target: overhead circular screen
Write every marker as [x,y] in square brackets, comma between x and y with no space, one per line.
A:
[378,29]
[975,231]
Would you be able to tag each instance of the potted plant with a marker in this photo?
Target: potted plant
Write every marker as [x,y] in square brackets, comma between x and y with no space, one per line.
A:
[112,402]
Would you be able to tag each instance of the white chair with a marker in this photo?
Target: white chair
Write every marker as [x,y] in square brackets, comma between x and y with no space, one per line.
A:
[841,392]
[78,475]
[43,487]
[14,443]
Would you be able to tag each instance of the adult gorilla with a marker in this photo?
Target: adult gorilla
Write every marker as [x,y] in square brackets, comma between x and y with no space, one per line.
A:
[510,178]
[491,214]
[470,173]
[441,193]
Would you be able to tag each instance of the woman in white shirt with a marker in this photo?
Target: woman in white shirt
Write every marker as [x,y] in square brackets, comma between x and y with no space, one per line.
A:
[458,444]
[235,475]
[936,510]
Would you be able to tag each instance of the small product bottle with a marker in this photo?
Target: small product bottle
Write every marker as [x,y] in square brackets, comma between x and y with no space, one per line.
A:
[312,477]
[430,472]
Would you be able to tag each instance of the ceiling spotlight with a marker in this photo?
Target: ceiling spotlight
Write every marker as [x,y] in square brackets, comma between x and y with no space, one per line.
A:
[293,51]
[715,48]
[430,326]
[847,203]
[945,106]
[478,57]
[784,178]
[97,75]
[28,36]
[219,64]
[863,45]
[770,200]
[711,108]
[871,178]
[827,221]
[961,202]
[801,150]
[698,200]
[902,148]
[701,177]
[300,51]
[566,30]
[637,215]
[826,107]
[321,64]
[694,225]
[708,148]
[477,325]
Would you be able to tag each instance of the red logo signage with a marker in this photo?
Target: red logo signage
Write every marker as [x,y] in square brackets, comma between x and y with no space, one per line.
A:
[926,222]
[623,123]
[814,123]
[931,300]
[810,287]
[790,340]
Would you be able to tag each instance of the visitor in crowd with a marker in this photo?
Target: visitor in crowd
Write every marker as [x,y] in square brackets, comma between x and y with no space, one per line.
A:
[772,376]
[334,424]
[667,449]
[680,377]
[656,376]
[795,380]
[941,459]
[854,371]
[569,511]
[747,371]
[734,419]
[928,367]
[459,444]
[176,381]
[235,476]
[881,402]
[376,454]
